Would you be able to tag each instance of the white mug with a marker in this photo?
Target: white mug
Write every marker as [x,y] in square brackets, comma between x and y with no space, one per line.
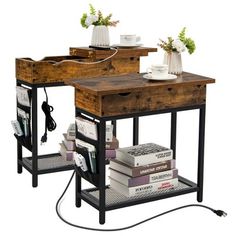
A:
[129,39]
[158,71]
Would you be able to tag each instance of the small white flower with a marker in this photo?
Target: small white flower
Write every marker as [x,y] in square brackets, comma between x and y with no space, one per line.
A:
[90,20]
[179,45]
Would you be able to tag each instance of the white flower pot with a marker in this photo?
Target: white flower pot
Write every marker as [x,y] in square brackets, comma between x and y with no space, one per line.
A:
[174,62]
[100,36]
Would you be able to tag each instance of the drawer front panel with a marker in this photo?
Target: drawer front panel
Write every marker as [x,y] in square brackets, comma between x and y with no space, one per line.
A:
[135,102]
[123,103]
[88,102]
[172,97]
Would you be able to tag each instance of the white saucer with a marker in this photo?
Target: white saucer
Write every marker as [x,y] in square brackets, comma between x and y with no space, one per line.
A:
[127,46]
[168,77]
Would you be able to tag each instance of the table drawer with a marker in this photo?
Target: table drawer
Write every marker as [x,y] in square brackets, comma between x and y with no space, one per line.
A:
[121,103]
[140,101]
[172,97]
[107,105]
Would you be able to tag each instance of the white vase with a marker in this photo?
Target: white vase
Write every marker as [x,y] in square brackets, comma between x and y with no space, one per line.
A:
[174,62]
[100,36]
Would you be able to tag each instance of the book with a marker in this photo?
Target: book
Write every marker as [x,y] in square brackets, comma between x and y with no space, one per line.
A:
[89,154]
[70,134]
[24,119]
[145,179]
[110,154]
[141,170]
[23,96]
[67,155]
[87,128]
[69,144]
[143,189]
[143,154]
[109,132]
[114,144]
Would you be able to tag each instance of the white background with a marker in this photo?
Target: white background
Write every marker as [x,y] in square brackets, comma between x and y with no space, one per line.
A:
[41,28]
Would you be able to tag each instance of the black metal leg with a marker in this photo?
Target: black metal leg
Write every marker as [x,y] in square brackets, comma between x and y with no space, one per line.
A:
[19,157]
[114,127]
[19,146]
[34,138]
[102,171]
[77,190]
[173,133]
[201,141]
[135,130]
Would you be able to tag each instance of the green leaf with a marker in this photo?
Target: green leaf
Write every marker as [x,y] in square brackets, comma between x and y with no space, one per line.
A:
[92,9]
[182,35]
[83,19]
[190,45]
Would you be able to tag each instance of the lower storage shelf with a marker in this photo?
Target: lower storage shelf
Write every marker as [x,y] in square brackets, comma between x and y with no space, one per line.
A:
[115,200]
[48,163]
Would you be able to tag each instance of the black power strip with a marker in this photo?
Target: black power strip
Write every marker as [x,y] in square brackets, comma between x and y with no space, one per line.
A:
[101,47]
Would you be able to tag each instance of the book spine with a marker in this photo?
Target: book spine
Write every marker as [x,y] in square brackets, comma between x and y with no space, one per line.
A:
[67,155]
[149,169]
[143,189]
[92,159]
[152,178]
[152,158]
[145,159]
[110,154]
[70,145]
[121,156]
[111,145]
[154,187]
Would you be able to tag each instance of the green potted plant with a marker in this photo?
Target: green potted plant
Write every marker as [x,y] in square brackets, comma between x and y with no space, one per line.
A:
[173,49]
[100,35]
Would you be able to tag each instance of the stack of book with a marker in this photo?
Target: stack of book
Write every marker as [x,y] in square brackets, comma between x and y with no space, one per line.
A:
[111,148]
[143,169]
[88,129]
[67,147]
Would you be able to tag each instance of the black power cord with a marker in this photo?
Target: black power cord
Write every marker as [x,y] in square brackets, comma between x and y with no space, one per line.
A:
[217,212]
[50,123]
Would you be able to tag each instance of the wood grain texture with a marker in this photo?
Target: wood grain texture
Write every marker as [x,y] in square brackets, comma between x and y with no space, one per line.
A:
[90,102]
[134,82]
[101,54]
[63,68]
[122,95]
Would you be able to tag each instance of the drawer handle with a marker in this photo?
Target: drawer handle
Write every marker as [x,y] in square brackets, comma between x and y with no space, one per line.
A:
[124,94]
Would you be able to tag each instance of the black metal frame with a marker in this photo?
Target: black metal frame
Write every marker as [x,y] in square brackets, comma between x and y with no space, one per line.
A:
[100,143]
[34,147]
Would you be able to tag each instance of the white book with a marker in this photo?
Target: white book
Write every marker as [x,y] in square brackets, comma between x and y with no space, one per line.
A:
[145,179]
[22,95]
[143,154]
[69,144]
[70,134]
[87,128]
[144,189]
[109,132]
[67,155]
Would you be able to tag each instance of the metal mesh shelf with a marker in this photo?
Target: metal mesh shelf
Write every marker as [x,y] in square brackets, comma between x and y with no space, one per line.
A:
[49,163]
[116,200]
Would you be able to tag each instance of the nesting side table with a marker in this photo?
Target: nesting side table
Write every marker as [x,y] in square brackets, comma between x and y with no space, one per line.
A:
[131,96]
[55,71]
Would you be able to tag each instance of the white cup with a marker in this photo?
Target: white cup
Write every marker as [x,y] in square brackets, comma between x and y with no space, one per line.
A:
[158,71]
[129,39]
